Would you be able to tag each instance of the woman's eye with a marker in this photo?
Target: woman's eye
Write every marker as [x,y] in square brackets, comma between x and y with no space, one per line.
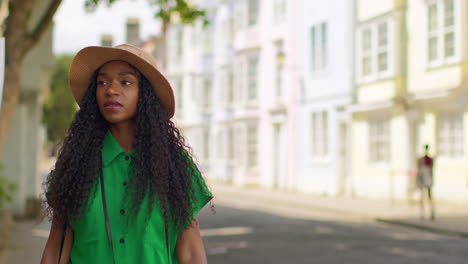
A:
[101,83]
[126,82]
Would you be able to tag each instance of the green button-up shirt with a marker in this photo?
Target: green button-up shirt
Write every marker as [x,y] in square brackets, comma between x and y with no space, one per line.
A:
[134,242]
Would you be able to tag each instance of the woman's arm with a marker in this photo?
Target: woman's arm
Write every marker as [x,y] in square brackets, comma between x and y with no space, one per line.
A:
[189,247]
[52,248]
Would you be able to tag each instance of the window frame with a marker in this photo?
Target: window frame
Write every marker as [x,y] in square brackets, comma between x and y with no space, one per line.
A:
[319,55]
[252,145]
[440,33]
[252,76]
[253,17]
[279,11]
[455,150]
[379,148]
[375,49]
[319,136]
[179,83]
[206,93]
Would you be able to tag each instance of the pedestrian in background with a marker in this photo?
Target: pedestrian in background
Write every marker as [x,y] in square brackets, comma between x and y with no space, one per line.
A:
[424,181]
[125,188]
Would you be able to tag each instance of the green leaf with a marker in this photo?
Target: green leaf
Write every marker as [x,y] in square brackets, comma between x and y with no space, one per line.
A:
[7,188]
[164,10]
[60,106]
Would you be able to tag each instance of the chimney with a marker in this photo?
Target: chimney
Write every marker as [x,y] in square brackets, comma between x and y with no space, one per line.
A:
[106,40]
[133,31]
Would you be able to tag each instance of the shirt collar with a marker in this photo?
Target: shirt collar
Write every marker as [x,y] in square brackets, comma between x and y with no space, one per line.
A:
[111,149]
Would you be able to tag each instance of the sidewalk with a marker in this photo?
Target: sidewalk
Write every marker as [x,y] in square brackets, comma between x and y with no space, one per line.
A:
[450,219]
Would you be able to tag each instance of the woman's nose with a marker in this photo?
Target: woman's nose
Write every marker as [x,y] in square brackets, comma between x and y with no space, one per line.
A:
[113,88]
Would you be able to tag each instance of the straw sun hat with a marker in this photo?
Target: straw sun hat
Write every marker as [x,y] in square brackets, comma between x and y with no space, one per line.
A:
[89,59]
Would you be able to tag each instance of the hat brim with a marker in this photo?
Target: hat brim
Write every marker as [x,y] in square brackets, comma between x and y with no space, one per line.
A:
[89,59]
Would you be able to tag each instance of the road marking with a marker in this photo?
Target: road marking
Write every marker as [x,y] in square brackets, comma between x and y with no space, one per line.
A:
[222,248]
[226,231]
[40,233]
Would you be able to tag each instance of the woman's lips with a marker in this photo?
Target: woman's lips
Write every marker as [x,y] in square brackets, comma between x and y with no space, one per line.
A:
[112,106]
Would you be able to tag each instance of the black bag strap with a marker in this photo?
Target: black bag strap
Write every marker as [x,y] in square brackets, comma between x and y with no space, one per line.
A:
[168,249]
[106,216]
[62,242]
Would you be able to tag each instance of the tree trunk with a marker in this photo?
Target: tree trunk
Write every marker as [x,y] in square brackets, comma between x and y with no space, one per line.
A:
[15,31]
[10,101]
[19,40]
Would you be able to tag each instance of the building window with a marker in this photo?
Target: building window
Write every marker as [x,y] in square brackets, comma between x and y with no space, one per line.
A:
[206,102]
[441,32]
[240,72]
[180,42]
[375,50]
[450,135]
[220,145]
[279,11]
[382,47]
[319,42]
[379,141]
[252,146]
[239,11]
[252,72]
[206,144]
[207,34]
[230,144]
[226,87]
[319,135]
[253,11]
[239,146]
[230,87]
[227,31]
[180,94]
[366,52]
[220,86]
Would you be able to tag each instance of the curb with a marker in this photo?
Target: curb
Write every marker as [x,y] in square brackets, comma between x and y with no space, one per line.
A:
[424,227]
[319,208]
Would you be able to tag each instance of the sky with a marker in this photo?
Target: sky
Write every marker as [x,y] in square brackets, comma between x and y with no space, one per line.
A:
[75,29]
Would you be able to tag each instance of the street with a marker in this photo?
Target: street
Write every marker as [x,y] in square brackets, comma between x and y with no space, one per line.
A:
[269,238]
[271,233]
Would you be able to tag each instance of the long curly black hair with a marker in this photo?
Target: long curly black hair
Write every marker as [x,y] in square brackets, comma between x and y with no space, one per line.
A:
[163,164]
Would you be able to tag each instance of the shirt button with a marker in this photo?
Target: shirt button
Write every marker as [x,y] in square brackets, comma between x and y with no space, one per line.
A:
[127,157]
[122,241]
[124,183]
[122,211]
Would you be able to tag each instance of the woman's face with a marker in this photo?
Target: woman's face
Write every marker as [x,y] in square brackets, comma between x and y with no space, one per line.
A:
[117,91]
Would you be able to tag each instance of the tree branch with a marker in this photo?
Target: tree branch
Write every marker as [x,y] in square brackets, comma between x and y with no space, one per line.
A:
[3,15]
[42,25]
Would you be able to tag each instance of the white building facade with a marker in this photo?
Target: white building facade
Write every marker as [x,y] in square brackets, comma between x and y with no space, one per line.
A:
[327,91]
[237,87]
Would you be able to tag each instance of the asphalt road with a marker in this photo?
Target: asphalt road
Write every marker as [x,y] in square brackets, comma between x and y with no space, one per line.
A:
[235,235]
[268,233]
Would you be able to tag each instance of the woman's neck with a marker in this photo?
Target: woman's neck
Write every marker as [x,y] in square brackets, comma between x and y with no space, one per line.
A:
[124,134]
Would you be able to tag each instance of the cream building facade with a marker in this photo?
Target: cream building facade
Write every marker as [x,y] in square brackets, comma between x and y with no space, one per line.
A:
[410,70]
[437,81]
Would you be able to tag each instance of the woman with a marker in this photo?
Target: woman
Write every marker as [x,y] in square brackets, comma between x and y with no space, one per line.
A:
[424,181]
[124,187]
